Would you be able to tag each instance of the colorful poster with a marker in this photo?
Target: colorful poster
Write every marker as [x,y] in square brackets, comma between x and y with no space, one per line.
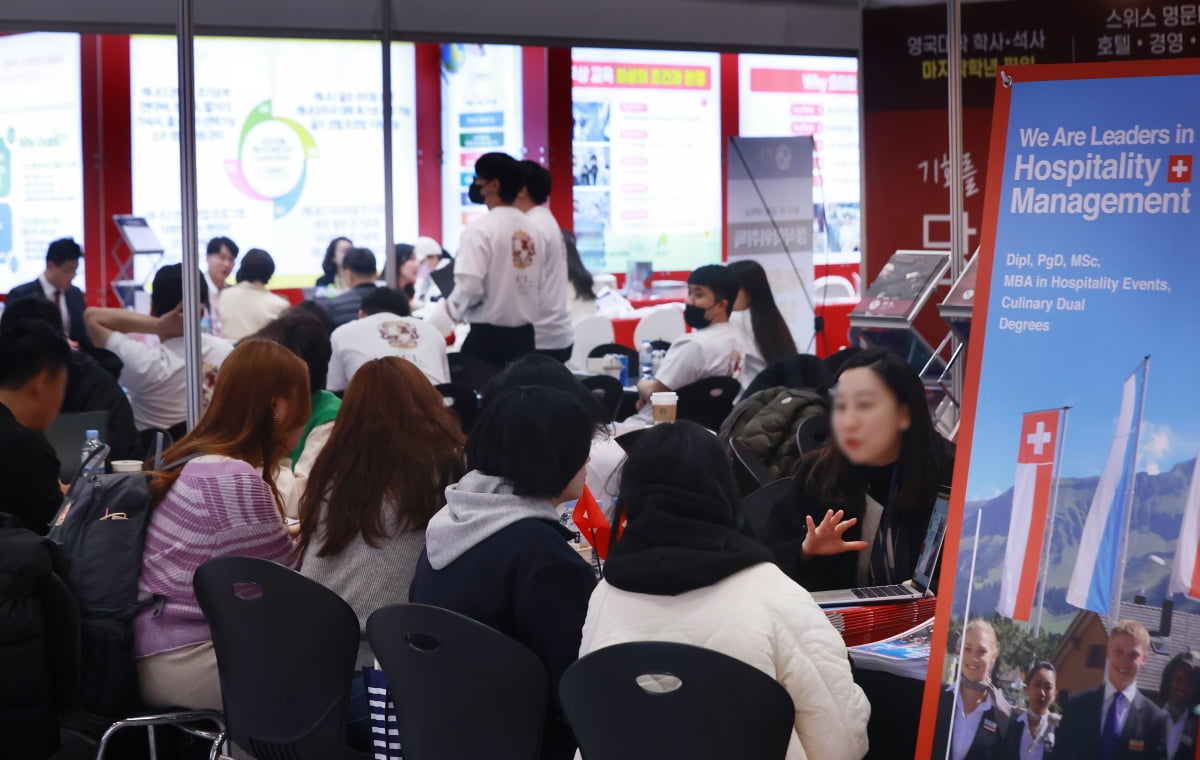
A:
[811,95]
[1083,306]
[287,159]
[482,112]
[769,204]
[647,158]
[41,166]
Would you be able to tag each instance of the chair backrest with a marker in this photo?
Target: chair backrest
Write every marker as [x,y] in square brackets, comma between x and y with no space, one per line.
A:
[665,323]
[756,507]
[607,390]
[470,370]
[651,700]
[660,345]
[462,690]
[812,433]
[617,348]
[286,648]
[464,401]
[750,471]
[589,333]
[708,402]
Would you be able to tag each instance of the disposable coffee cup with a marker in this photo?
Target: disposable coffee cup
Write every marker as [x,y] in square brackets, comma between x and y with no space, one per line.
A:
[126,465]
[664,404]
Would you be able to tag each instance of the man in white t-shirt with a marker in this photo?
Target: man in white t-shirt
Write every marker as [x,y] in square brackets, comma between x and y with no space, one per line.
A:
[712,348]
[384,328]
[154,375]
[553,332]
[498,270]
[221,256]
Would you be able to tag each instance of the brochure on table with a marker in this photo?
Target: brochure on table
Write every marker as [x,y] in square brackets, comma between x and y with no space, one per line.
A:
[1077,459]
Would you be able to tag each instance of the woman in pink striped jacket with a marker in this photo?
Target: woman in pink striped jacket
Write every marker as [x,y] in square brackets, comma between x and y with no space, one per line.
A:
[217,505]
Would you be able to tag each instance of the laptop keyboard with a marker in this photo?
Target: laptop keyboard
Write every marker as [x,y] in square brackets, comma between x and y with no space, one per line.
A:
[875,592]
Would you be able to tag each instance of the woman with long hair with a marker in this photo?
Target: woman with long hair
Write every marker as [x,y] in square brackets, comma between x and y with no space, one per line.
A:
[857,510]
[765,333]
[375,485]
[332,262]
[581,296]
[683,571]
[216,505]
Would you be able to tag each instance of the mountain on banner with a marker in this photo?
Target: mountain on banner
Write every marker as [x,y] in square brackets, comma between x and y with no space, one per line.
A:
[1154,529]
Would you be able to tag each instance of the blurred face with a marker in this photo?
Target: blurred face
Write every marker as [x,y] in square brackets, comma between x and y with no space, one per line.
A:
[220,266]
[339,251]
[1125,658]
[60,275]
[1180,691]
[1041,691]
[408,270]
[979,654]
[868,422]
[743,300]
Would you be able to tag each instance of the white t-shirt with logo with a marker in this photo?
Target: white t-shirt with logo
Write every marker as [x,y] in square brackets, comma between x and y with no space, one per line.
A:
[554,329]
[385,334]
[504,249]
[715,351]
[154,376]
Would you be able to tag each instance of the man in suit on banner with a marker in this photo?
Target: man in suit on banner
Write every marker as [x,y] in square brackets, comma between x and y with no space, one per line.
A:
[54,284]
[1116,721]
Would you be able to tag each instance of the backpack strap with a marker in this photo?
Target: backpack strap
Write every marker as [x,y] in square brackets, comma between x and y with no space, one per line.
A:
[181,461]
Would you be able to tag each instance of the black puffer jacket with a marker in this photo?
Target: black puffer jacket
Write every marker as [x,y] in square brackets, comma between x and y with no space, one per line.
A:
[28,727]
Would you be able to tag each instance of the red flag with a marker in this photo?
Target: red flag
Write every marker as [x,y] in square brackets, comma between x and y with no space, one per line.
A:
[592,523]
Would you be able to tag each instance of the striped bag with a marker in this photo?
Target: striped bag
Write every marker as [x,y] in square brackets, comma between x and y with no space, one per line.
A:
[385,733]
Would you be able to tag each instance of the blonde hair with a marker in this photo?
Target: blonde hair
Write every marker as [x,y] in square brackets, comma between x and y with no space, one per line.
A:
[1133,629]
[983,626]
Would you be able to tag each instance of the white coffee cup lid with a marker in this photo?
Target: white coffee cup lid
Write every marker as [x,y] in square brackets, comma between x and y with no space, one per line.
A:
[664,397]
[126,465]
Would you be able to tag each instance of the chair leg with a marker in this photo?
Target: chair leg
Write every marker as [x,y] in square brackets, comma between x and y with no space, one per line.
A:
[181,720]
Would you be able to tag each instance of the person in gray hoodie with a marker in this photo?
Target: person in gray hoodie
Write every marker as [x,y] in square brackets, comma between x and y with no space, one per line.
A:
[497,552]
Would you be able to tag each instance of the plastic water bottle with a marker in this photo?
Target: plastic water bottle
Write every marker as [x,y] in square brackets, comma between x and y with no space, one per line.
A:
[646,360]
[205,323]
[90,444]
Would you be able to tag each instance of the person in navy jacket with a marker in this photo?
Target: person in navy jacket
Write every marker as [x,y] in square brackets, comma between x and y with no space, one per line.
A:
[54,284]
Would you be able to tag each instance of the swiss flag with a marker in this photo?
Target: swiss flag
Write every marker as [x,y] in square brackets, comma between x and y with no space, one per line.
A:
[1179,169]
[1030,506]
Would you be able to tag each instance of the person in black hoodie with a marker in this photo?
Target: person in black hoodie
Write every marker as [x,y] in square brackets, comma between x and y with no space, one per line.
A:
[858,509]
[497,552]
[91,387]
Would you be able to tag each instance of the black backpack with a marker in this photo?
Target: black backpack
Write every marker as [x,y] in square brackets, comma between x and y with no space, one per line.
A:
[101,527]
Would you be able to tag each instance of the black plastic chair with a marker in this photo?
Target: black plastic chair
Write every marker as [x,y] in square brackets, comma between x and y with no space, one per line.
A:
[757,506]
[660,345]
[709,401]
[286,648]
[462,690]
[652,700]
[750,471]
[464,401]
[617,348]
[608,391]
[812,433]
[470,370]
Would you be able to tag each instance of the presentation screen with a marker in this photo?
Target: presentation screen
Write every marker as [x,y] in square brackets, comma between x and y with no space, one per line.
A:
[783,95]
[289,146]
[41,166]
[647,158]
[482,112]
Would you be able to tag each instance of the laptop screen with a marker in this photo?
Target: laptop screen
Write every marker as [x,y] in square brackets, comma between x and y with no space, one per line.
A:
[931,547]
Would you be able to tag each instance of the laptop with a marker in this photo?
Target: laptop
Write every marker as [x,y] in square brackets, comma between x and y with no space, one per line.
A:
[931,549]
[67,435]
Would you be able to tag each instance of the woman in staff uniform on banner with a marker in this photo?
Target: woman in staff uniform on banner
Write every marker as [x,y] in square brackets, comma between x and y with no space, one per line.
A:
[858,509]
[982,716]
[1031,736]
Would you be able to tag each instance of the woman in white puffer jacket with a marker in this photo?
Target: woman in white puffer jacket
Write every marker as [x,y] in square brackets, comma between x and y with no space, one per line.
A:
[683,572]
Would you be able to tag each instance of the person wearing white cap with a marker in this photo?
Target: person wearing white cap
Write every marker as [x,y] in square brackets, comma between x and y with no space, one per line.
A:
[427,253]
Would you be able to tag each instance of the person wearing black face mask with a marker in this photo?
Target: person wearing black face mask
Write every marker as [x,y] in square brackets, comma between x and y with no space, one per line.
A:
[713,348]
[498,270]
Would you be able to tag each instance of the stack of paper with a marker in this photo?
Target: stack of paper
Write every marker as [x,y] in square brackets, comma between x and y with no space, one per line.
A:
[906,654]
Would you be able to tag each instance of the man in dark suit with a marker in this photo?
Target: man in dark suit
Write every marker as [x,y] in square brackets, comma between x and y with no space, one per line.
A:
[1116,721]
[62,261]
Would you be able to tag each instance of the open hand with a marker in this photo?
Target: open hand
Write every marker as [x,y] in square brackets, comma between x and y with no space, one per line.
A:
[826,538]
